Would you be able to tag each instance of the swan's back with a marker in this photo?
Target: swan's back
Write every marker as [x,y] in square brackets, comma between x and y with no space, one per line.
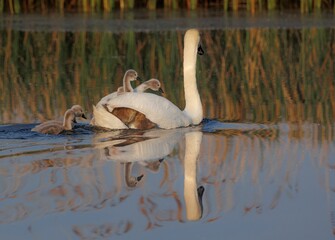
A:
[155,108]
[107,98]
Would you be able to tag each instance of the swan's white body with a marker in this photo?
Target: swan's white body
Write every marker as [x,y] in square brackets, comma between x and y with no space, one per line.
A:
[152,84]
[105,118]
[157,109]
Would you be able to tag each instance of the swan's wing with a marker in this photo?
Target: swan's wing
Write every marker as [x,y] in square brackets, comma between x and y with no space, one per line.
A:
[133,119]
[106,98]
[157,109]
[106,119]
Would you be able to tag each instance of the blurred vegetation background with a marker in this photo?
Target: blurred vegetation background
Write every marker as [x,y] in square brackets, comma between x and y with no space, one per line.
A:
[61,6]
[246,75]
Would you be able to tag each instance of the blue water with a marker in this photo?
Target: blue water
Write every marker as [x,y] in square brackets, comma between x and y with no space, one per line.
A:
[259,181]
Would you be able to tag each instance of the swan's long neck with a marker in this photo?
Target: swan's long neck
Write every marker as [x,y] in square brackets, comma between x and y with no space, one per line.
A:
[193,106]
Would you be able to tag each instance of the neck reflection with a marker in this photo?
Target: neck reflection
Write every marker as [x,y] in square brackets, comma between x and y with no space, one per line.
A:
[149,149]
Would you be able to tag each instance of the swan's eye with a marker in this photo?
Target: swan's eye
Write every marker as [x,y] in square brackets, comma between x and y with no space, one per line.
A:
[200,50]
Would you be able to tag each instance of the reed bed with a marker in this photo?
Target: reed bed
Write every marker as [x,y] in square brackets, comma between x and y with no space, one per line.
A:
[255,75]
[106,6]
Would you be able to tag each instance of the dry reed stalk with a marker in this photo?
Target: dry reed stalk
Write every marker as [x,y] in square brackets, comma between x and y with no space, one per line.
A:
[235,5]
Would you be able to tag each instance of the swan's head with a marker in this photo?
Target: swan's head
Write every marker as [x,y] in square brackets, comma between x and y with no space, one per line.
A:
[192,41]
[78,111]
[154,84]
[192,47]
[131,75]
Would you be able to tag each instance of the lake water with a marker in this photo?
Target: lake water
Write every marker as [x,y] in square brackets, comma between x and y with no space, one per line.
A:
[260,166]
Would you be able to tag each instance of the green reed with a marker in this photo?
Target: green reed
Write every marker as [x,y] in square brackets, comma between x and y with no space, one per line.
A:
[272,4]
[257,75]
[61,6]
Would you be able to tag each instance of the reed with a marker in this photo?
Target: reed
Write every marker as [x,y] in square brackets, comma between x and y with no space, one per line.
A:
[108,5]
[251,6]
[272,4]
[317,4]
[2,4]
[225,5]
[151,4]
[55,70]
[168,4]
[61,6]
[192,4]
[127,4]
[235,5]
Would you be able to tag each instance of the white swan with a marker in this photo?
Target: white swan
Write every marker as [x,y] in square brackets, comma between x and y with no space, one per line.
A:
[56,127]
[130,75]
[145,110]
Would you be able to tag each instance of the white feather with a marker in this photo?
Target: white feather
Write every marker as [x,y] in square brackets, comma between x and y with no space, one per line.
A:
[156,108]
[105,119]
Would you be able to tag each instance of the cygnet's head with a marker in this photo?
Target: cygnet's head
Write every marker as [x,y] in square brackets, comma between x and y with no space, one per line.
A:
[132,75]
[154,84]
[78,111]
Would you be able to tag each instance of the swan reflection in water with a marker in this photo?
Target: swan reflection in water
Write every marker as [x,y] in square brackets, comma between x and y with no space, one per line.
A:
[149,148]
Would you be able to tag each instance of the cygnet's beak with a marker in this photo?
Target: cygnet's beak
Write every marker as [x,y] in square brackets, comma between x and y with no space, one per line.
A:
[138,79]
[161,90]
[83,116]
[200,50]
[74,120]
